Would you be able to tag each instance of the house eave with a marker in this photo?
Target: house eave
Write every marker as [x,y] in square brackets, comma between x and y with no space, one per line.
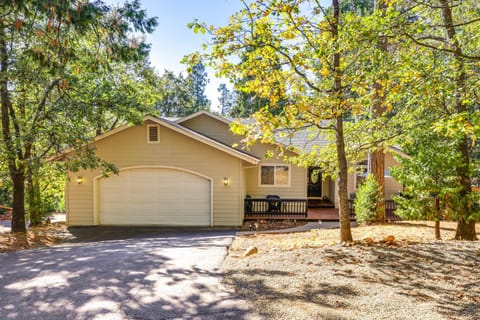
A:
[204,112]
[201,138]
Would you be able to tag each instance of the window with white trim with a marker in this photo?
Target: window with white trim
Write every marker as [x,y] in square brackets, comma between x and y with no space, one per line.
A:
[153,133]
[275,175]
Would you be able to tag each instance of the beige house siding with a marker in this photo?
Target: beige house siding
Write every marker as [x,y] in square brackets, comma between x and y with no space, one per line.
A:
[129,148]
[220,131]
[351,182]
[298,178]
[212,128]
[328,188]
[392,187]
[79,200]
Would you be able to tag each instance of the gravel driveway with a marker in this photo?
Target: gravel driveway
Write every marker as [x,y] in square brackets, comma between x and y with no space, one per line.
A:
[121,274]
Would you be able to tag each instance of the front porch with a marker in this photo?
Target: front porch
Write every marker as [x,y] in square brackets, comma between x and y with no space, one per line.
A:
[302,209]
[313,214]
[273,207]
[327,214]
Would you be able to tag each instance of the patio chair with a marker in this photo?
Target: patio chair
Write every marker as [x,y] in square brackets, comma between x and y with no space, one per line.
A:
[273,203]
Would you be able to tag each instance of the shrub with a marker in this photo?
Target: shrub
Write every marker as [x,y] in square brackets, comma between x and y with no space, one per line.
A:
[366,199]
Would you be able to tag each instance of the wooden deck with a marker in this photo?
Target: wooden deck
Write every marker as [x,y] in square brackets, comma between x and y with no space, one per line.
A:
[332,213]
[298,209]
[326,214]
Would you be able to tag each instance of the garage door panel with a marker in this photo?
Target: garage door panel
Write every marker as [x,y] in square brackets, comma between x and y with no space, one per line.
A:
[154,196]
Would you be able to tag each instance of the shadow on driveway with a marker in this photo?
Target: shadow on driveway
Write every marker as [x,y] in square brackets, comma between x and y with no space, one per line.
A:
[122,273]
[101,233]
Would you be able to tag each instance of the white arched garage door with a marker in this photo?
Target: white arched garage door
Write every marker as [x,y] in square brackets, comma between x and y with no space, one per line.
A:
[154,196]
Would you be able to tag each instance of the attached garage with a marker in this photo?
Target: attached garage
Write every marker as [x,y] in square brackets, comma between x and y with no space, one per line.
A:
[169,175]
[154,196]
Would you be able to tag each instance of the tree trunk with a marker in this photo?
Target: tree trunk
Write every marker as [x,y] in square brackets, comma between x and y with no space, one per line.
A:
[33,197]
[465,226]
[377,168]
[18,216]
[342,191]
[16,170]
[377,157]
[437,219]
[437,230]
[465,230]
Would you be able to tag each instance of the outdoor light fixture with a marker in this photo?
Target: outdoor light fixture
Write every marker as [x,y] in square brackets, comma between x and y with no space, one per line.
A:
[225,181]
[79,179]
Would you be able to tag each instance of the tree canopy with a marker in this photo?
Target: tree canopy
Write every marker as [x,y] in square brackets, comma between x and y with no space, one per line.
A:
[180,95]
[66,67]
[338,80]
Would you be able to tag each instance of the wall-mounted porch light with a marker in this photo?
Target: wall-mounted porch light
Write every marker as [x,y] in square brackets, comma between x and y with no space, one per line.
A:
[79,179]
[225,181]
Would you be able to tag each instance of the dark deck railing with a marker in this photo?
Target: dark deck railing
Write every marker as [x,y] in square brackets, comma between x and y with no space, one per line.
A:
[276,208]
[390,207]
[351,209]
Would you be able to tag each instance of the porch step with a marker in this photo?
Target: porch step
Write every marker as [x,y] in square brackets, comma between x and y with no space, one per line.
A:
[319,203]
[322,214]
[274,217]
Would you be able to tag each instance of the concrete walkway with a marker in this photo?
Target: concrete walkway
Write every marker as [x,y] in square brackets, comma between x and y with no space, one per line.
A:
[312,225]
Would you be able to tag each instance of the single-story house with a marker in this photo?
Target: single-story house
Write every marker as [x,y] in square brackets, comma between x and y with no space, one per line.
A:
[186,172]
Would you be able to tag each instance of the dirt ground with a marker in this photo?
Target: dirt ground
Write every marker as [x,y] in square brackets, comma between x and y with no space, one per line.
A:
[36,237]
[405,232]
[392,271]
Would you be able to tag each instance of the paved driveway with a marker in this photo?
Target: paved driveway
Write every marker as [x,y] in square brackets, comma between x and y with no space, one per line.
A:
[121,274]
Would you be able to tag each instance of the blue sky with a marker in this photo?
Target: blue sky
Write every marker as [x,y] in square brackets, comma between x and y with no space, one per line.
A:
[172,39]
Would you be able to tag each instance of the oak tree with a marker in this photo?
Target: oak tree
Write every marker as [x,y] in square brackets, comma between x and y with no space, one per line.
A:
[313,58]
[47,50]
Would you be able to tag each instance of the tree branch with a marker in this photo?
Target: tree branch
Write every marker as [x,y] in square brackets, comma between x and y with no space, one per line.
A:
[476,58]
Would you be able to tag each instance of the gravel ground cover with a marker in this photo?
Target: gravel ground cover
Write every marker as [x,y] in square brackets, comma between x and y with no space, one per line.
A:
[311,276]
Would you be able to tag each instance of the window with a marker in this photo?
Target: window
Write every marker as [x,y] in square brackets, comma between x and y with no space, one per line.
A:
[275,175]
[153,134]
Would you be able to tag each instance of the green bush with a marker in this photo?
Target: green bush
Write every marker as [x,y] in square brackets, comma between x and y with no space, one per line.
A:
[366,199]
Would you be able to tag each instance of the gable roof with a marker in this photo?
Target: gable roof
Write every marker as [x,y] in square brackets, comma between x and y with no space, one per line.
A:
[207,140]
[227,121]
[179,129]
[207,113]
[301,140]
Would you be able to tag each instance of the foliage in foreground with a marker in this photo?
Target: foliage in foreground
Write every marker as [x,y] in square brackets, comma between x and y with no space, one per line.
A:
[313,66]
[68,70]
[341,81]
[432,190]
[366,199]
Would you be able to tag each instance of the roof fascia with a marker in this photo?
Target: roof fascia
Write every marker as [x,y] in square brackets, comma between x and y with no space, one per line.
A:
[204,112]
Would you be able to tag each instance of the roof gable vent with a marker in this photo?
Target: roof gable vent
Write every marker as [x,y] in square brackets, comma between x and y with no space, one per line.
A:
[153,134]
